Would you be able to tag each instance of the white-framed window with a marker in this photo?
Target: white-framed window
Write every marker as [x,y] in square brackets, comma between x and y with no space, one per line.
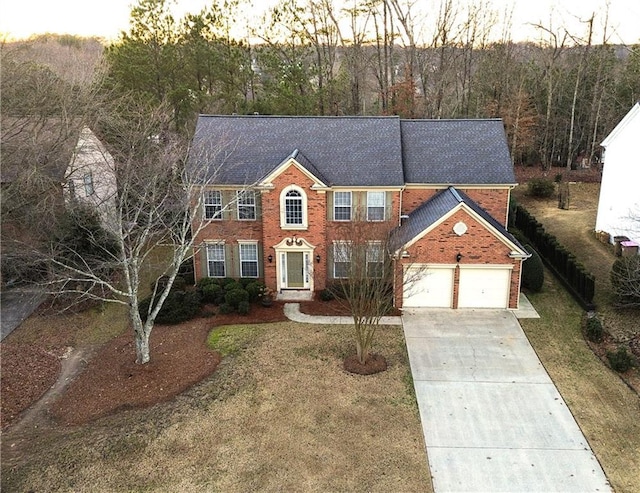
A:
[293,208]
[342,206]
[246,200]
[375,206]
[341,259]
[375,265]
[87,179]
[215,260]
[212,204]
[249,259]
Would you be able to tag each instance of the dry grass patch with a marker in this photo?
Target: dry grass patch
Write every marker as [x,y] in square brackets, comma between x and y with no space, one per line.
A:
[280,415]
[607,411]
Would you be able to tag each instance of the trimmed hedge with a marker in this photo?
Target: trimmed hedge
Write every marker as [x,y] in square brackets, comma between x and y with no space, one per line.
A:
[533,271]
[575,277]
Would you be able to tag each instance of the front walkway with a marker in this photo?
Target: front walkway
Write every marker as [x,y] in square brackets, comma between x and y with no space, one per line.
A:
[493,420]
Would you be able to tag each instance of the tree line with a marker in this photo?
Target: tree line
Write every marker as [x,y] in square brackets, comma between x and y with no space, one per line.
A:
[558,96]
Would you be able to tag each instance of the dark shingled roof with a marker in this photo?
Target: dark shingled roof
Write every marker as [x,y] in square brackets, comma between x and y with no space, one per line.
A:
[355,151]
[430,211]
[346,151]
[456,152]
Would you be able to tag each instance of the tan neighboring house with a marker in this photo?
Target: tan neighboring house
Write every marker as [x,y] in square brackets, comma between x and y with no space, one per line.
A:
[46,163]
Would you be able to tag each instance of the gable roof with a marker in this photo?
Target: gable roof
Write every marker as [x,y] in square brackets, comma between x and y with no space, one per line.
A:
[633,113]
[456,152]
[348,151]
[430,212]
[355,151]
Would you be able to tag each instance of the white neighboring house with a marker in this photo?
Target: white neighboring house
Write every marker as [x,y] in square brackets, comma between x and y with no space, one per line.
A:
[619,203]
[90,177]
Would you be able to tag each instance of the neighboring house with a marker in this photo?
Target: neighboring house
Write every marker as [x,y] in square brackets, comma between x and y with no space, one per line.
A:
[619,203]
[47,163]
[285,187]
[90,177]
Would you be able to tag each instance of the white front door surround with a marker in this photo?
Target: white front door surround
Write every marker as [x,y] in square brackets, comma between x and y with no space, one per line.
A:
[294,266]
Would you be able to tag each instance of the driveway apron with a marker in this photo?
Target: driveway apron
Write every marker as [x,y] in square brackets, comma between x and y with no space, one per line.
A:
[493,420]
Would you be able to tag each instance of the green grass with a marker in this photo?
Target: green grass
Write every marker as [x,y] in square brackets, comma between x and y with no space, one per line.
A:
[229,340]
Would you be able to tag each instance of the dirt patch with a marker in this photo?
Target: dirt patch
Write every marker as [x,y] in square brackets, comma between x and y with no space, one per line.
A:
[331,308]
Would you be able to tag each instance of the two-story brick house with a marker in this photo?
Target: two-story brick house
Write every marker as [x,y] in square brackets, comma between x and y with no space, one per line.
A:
[284,188]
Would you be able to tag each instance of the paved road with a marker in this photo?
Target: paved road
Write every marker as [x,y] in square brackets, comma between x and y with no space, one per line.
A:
[493,420]
[15,306]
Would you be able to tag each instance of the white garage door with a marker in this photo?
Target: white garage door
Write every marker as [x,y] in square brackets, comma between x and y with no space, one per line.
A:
[428,287]
[484,287]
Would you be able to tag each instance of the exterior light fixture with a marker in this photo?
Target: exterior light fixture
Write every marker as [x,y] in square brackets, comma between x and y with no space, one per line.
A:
[270,258]
[318,259]
[458,257]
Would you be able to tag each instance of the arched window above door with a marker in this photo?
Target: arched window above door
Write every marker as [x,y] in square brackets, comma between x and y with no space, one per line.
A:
[293,208]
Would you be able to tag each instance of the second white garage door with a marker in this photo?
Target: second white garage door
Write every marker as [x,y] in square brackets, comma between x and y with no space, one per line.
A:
[483,287]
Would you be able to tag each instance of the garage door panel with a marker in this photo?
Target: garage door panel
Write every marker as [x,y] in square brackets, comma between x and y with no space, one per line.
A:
[484,288]
[428,287]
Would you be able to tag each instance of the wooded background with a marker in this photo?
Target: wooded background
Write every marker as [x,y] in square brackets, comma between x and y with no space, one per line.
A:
[559,96]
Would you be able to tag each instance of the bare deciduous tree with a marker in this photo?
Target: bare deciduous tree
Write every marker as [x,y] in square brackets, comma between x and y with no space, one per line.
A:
[157,208]
[364,271]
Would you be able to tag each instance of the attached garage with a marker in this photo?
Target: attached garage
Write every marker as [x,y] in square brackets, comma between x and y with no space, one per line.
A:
[484,287]
[430,287]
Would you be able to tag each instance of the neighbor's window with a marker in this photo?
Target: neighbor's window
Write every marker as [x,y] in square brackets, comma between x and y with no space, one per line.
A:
[213,204]
[374,259]
[341,259]
[342,206]
[215,260]
[375,206]
[248,260]
[88,184]
[246,205]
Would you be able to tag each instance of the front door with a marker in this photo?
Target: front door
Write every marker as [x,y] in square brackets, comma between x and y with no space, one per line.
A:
[295,270]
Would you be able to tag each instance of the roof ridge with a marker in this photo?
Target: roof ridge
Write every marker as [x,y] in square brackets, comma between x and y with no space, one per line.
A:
[307,117]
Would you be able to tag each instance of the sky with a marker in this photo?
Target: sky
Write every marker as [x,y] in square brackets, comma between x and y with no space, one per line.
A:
[107,18]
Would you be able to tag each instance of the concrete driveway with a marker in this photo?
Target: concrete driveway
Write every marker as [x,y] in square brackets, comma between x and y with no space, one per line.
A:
[493,420]
[15,306]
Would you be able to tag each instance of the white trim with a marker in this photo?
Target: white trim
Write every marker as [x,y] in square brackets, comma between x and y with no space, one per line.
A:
[283,211]
[268,180]
[512,246]
[211,243]
[294,244]
[241,243]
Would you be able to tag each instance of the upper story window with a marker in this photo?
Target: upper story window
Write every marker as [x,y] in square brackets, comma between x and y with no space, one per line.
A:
[342,206]
[293,208]
[215,260]
[248,260]
[246,205]
[375,206]
[87,179]
[213,204]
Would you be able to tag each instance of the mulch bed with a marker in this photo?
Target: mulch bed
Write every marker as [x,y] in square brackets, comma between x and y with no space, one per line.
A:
[375,363]
[27,373]
[112,381]
[331,308]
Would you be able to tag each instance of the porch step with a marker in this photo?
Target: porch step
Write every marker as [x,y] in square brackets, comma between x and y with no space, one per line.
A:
[288,295]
